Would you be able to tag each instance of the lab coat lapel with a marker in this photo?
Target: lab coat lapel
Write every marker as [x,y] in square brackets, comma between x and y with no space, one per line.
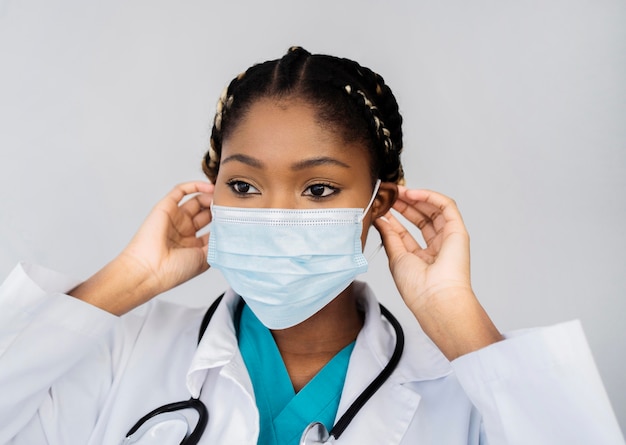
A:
[217,368]
[217,348]
[386,417]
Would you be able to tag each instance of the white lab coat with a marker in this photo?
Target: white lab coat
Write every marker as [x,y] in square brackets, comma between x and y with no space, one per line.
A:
[71,374]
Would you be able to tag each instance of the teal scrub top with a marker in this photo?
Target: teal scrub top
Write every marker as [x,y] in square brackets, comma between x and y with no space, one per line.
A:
[284,414]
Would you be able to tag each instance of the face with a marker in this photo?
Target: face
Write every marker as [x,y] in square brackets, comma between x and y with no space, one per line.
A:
[279,156]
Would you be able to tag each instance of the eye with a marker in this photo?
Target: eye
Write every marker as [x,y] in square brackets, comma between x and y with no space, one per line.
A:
[242,187]
[320,190]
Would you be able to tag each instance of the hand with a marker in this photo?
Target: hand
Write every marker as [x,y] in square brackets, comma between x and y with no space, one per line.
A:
[434,280]
[164,253]
[442,266]
[165,248]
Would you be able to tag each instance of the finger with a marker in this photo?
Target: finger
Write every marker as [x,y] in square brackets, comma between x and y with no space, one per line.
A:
[396,238]
[453,239]
[188,241]
[187,188]
[196,204]
[201,220]
[409,242]
[398,241]
[418,217]
[204,239]
[440,209]
[432,231]
[438,203]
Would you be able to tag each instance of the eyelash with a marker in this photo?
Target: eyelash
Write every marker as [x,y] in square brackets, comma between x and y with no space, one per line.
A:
[235,182]
[233,186]
[334,191]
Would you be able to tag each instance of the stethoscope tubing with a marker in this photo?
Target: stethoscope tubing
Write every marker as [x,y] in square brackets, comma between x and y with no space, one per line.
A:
[371,389]
[196,404]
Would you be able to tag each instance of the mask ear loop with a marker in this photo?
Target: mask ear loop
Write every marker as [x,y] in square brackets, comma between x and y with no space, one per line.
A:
[206,229]
[371,256]
[367,209]
[380,244]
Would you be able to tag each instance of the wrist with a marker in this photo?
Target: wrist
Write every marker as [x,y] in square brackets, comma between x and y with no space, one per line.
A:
[118,287]
[456,322]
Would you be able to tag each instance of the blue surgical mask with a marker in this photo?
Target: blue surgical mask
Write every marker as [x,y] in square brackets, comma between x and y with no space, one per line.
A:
[287,264]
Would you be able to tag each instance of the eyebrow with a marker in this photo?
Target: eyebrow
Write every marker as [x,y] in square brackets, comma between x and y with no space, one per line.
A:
[300,165]
[315,162]
[248,160]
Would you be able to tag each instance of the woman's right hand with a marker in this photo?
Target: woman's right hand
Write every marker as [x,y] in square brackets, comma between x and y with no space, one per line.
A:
[164,253]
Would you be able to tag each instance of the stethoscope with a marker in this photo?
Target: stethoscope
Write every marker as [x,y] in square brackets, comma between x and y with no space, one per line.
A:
[314,433]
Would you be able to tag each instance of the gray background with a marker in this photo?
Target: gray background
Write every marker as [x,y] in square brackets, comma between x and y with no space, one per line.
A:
[515,108]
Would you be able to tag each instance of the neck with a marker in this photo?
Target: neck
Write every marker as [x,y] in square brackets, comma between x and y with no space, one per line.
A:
[308,346]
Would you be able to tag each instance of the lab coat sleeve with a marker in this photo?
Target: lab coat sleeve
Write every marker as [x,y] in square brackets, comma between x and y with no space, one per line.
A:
[540,387]
[43,335]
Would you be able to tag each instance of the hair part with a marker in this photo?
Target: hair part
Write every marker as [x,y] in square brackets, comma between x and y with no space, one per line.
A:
[350,99]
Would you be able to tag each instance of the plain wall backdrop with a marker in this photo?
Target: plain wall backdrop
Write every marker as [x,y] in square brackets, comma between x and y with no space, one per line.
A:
[517,109]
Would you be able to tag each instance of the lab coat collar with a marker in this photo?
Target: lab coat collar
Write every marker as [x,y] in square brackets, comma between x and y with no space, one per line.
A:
[420,361]
[377,340]
[218,346]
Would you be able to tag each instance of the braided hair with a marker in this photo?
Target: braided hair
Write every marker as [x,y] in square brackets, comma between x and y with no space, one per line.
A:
[351,99]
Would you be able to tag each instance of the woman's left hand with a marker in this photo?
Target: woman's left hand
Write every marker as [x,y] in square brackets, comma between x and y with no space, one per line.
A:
[434,280]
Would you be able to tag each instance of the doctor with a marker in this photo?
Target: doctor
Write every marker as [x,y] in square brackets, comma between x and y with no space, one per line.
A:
[304,159]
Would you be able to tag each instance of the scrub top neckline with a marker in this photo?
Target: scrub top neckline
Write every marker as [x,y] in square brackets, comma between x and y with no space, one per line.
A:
[283,413]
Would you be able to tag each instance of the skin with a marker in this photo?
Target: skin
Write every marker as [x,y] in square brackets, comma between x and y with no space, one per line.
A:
[279,156]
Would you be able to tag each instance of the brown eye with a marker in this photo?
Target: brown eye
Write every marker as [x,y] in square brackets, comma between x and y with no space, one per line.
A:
[317,189]
[242,188]
[320,190]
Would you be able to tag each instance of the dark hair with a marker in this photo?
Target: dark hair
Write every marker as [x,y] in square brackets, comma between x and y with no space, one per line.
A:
[349,98]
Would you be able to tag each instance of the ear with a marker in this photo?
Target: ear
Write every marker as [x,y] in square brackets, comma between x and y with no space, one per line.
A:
[386,196]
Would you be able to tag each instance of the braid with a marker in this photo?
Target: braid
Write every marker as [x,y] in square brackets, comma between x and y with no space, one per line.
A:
[212,157]
[385,120]
[211,161]
[288,71]
[351,98]
[386,147]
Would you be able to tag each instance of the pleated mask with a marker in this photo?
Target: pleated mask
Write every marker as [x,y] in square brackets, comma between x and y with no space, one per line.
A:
[287,264]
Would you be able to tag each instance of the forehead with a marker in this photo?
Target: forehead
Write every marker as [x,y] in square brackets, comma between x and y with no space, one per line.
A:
[287,130]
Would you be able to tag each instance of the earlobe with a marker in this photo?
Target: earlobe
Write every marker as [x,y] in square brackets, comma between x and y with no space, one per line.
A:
[386,196]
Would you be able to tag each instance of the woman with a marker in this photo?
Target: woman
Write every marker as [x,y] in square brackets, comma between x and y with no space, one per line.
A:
[304,159]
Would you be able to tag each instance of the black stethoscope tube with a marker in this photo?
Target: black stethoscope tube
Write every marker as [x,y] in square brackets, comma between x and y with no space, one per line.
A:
[196,404]
[371,389]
